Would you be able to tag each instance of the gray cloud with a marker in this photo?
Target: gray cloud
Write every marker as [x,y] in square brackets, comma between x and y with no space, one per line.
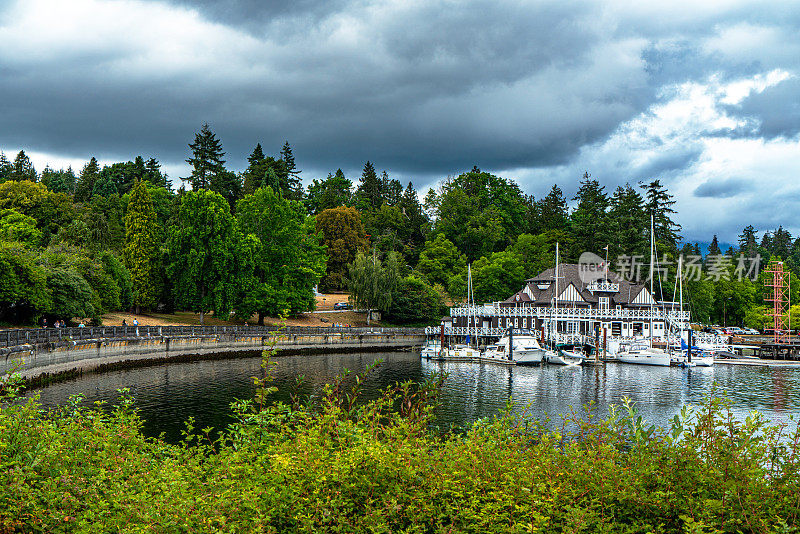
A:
[422,90]
[722,188]
[776,109]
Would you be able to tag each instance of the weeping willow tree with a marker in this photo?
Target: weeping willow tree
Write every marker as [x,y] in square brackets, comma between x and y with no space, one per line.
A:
[372,282]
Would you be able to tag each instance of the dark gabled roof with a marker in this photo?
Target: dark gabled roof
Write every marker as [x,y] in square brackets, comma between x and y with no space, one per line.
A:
[568,273]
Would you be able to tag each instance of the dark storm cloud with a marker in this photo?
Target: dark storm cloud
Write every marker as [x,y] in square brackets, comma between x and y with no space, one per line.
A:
[723,188]
[428,89]
[423,90]
[776,109]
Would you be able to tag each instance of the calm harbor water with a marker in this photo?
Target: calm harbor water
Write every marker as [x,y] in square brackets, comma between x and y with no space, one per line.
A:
[168,395]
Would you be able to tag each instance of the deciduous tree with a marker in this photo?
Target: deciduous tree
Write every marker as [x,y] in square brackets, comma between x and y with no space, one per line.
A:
[200,254]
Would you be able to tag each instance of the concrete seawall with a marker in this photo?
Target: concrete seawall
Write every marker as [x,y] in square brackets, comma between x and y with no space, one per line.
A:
[65,357]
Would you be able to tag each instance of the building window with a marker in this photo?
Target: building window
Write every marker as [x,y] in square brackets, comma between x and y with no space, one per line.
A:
[604,303]
[516,322]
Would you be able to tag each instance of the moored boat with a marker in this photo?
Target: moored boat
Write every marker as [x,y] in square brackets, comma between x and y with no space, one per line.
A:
[643,354]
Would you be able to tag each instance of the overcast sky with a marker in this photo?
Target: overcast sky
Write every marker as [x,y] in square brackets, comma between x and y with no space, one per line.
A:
[704,95]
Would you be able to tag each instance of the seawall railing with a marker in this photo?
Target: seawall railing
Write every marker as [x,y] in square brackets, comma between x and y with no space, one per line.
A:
[36,336]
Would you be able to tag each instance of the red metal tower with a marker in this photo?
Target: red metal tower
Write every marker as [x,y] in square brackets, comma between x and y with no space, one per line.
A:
[780,300]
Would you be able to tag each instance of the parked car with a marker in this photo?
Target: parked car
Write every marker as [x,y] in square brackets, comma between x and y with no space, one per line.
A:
[750,332]
[341,306]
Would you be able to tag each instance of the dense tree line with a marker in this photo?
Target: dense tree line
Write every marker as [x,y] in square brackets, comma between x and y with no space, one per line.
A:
[257,242]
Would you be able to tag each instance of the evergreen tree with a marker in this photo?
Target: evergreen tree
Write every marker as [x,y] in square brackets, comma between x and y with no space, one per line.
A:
[23,168]
[294,185]
[369,194]
[142,247]
[332,192]
[228,184]
[206,160]
[590,225]
[6,168]
[104,185]
[393,190]
[154,175]
[713,248]
[414,225]
[60,181]
[553,212]
[271,179]
[629,223]
[253,176]
[781,244]
[748,242]
[659,204]
[85,185]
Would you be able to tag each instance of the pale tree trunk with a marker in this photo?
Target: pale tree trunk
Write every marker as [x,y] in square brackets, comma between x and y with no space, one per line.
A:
[202,303]
[369,316]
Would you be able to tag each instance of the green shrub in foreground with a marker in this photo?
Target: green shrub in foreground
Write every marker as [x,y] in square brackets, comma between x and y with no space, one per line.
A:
[341,466]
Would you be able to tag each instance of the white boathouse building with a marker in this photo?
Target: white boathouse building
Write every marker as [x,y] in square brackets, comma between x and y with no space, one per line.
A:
[580,310]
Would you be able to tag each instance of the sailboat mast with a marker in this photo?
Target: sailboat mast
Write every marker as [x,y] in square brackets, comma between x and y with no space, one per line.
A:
[652,259]
[555,302]
[680,283]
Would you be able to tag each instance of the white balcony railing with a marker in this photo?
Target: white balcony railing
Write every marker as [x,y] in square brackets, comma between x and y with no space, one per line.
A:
[645,314]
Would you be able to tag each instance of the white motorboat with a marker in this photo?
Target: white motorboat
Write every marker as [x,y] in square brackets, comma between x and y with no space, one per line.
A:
[563,357]
[643,354]
[430,349]
[464,352]
[527,350]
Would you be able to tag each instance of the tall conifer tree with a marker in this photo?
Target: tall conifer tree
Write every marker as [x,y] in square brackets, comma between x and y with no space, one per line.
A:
[206,160]
[142,247]
[23,168]
[369,190]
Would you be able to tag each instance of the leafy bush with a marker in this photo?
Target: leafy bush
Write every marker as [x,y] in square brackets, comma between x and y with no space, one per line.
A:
[341,465]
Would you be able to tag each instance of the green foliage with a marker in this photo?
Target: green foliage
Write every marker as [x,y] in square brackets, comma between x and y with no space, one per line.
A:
[379,466]
[372,283]
[206,160]
[343,235]
[85,185]
[22,168]
[15,226]
[332,192]
[480,213]
[201,250]
[415,301]
[440,260]
[51,210]
[536,253]
[369,194]
[498,276]
[72,294]
[24,292]
[59,181]
[288,259]
[142,247]
[590,224]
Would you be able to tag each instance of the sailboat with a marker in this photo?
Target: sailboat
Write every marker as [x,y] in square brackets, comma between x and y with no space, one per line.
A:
[556,356]
[467,351]
[689,355]
[641,352]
